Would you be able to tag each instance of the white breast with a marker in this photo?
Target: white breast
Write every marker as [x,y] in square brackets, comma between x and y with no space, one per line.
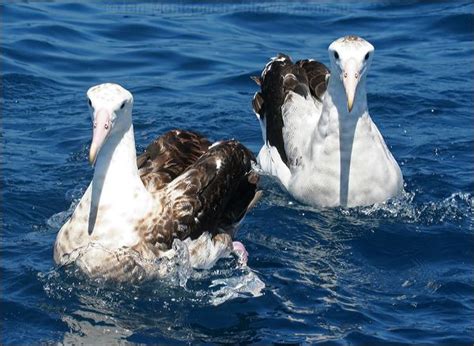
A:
[115,223]
[362,173]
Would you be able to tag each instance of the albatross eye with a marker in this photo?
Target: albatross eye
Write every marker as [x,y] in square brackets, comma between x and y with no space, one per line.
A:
[123,105]
[336,55]
[366,56]
[90,102]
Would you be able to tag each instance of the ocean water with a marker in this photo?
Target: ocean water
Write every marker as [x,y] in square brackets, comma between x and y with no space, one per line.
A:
[398,273]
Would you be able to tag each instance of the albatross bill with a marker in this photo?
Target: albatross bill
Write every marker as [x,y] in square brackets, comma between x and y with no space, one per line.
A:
[101,125]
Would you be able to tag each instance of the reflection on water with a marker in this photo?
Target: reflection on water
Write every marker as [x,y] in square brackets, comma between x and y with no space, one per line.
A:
[93,328]
[104,313]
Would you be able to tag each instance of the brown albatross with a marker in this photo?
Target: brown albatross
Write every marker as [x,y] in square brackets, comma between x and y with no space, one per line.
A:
[182,187]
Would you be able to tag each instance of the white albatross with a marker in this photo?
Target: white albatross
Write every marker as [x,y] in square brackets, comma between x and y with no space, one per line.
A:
[319,139]
[181,187]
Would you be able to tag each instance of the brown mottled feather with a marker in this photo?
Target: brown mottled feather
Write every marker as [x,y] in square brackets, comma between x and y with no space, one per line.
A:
[168,156]
[206,198]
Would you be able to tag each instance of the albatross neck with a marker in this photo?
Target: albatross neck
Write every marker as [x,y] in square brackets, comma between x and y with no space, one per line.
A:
[336,98]
[116,173]
[335,117]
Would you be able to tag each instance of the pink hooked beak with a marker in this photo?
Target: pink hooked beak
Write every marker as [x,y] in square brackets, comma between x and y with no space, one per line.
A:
[101,130]
[351,79]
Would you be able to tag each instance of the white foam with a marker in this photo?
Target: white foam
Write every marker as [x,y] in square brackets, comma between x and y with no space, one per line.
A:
[247,285]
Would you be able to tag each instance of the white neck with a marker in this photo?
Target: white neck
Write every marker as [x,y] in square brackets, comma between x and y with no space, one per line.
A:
[117,162]
[339,126]
[116,184]
[335,117]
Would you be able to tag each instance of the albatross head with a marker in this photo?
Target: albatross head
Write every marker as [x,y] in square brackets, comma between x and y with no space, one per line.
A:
[111,108]
[350,59]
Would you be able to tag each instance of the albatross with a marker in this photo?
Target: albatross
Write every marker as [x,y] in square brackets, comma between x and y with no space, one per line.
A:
[182,187]
[319,139]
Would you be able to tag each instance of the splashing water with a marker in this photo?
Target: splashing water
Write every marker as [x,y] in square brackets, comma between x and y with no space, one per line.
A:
[404,208]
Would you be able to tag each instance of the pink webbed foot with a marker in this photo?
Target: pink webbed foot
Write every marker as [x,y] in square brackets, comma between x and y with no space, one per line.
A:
[241,252]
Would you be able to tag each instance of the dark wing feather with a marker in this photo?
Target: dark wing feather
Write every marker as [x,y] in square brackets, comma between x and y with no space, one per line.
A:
[169,156]
[267,103]
[279,77]
[212,195]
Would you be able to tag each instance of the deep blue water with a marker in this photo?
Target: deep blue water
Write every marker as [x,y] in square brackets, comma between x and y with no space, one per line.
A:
[397,273]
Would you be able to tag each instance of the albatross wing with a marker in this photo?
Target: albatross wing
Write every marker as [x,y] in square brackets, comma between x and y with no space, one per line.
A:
[288,108]
[211,195]
[168,156]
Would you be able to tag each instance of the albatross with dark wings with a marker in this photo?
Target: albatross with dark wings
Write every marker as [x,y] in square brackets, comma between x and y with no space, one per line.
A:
[319,139]
[182,187]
